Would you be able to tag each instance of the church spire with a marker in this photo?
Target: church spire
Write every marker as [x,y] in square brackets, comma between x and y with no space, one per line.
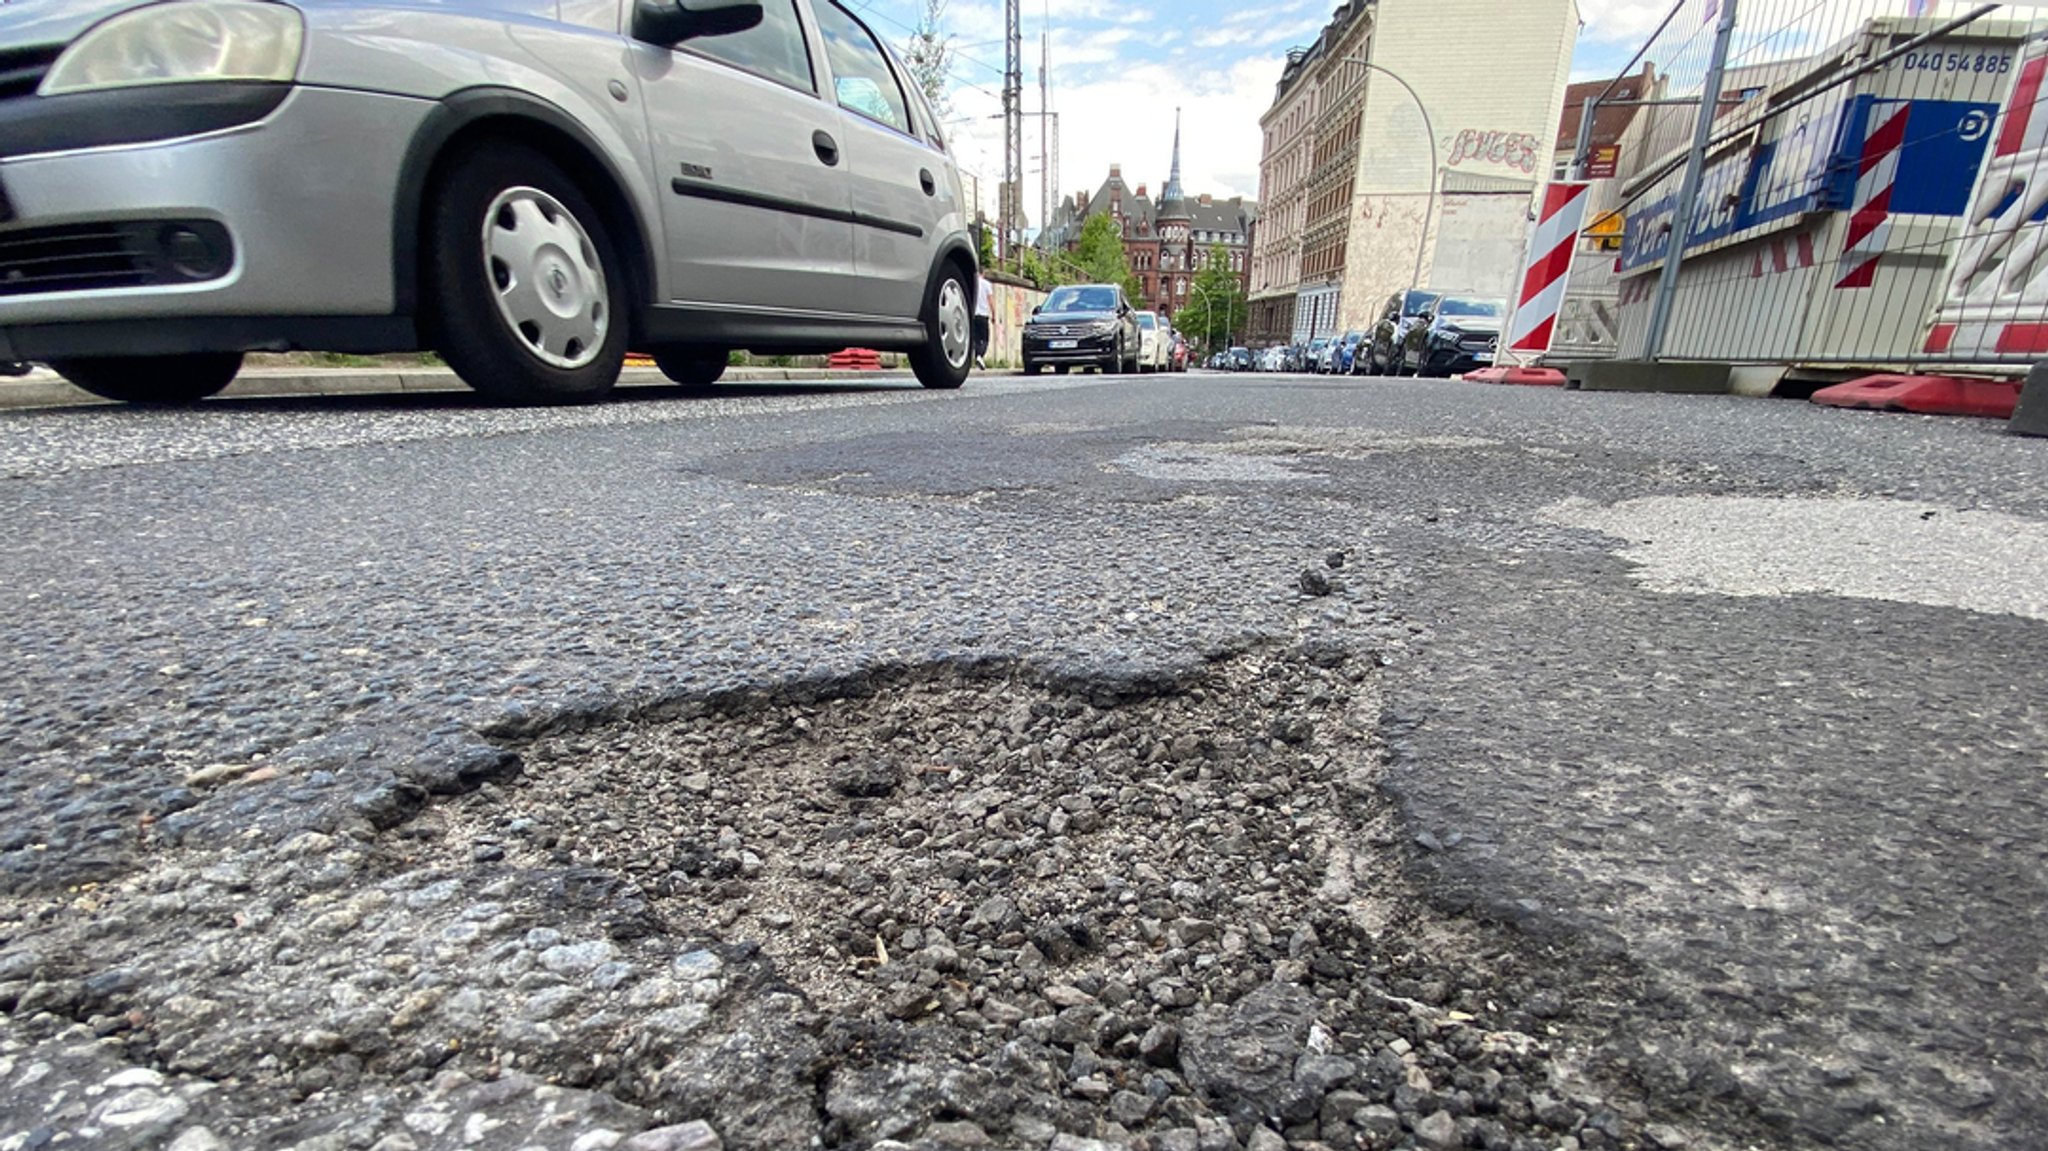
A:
[1172,202]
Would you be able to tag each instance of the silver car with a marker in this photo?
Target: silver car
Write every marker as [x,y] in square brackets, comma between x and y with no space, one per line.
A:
[529,187]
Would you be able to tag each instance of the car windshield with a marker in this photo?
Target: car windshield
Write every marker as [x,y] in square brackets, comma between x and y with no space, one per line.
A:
[1085,299]
[1416,302]
[1318,342]
[1454,306]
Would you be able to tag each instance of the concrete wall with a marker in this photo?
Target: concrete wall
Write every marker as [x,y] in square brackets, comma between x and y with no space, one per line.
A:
[1479,243]
[1011,305]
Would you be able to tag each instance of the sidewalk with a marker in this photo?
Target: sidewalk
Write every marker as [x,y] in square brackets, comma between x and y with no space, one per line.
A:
[45,389]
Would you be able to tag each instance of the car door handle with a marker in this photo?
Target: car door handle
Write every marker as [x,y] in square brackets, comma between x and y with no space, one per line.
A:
[828,148]
[931,186]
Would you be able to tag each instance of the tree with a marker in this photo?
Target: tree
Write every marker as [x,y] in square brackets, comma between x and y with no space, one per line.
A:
[1216,305]
[985,243]
[929,56]
[1099,255]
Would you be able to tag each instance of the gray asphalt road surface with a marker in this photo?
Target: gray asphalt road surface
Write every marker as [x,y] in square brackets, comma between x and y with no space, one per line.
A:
[1725,703]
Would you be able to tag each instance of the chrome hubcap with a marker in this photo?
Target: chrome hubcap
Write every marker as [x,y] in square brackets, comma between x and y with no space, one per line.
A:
[955,326]
[546,278]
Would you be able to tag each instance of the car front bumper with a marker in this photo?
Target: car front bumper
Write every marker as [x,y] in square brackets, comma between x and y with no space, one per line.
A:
[301,201]
[1456,361]
[1086,349]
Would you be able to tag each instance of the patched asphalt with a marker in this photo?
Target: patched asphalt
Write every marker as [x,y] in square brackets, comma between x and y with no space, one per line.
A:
[1802,832]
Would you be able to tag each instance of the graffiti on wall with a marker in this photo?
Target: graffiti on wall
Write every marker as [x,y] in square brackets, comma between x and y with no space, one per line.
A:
[1511,149]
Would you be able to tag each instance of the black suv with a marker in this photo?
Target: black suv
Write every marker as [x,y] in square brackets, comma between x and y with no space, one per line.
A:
[1463,333]
[1082,325]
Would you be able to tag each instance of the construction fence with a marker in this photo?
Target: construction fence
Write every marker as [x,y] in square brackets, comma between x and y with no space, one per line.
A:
[1842,184]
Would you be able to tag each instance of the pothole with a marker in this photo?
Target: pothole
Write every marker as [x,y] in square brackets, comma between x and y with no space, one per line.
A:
[940,907]
[1173,919]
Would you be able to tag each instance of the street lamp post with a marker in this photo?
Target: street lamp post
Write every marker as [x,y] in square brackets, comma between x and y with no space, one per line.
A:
[1229,316]
[1199,290]
[1429,202]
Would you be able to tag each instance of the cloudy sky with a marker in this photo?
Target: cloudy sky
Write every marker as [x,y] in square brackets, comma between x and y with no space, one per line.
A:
[1119,70]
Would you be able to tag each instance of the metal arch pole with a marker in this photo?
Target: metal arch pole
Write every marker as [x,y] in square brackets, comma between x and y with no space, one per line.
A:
[1206,312]
[1428,127]
[1689,188]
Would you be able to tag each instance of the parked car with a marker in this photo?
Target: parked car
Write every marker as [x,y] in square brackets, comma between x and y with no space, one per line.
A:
[1312,355]
[1240,359]
[1155,352]
[178,198]
[1396,338]
[1082,325]
[1462,335]
[1344,359]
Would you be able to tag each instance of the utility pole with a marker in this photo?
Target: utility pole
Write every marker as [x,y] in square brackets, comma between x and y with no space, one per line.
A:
[1045,129]
[1013,123]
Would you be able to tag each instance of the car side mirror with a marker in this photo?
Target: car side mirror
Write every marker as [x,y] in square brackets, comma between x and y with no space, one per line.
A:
[1037,308]
[670,22]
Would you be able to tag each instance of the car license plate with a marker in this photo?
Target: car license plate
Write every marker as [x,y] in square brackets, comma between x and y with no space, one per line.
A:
[1064,345]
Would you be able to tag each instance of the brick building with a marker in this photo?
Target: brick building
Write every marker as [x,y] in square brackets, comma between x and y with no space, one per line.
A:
[1165,240]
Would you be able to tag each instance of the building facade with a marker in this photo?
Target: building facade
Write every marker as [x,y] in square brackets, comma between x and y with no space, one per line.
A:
[1333,169]
[1353,208]
[1463,224]
[1285,158]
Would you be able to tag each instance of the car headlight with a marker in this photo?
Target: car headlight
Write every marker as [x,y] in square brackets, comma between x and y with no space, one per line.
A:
[1102,327]
[181,42]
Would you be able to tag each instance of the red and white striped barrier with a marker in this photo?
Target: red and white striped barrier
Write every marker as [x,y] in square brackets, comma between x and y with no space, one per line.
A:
[1870,218]
[1548,268]
[1996,305]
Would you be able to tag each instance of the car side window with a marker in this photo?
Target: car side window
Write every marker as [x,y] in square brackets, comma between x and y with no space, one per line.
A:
[774,49]
[860,70]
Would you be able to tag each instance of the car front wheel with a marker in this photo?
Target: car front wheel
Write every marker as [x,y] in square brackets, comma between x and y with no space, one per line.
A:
[525,283]
[942,363]
[166,380]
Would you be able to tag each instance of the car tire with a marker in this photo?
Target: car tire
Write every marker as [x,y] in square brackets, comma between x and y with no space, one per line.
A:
[1031,369]
[161,380]
[947,356]
[14,368]
[505,216]
[692,368]
[1061,370]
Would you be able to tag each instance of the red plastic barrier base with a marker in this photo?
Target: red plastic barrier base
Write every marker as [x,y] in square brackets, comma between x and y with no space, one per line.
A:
[1524,377]
[1926,396]
[855,360]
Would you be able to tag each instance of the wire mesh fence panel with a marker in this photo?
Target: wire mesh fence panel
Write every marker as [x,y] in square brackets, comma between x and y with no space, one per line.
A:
[1838,184]
[1994,306]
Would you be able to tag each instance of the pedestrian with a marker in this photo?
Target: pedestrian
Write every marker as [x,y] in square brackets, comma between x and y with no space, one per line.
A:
[984,316]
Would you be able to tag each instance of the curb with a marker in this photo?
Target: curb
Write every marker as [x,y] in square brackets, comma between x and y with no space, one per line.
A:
[45,389]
